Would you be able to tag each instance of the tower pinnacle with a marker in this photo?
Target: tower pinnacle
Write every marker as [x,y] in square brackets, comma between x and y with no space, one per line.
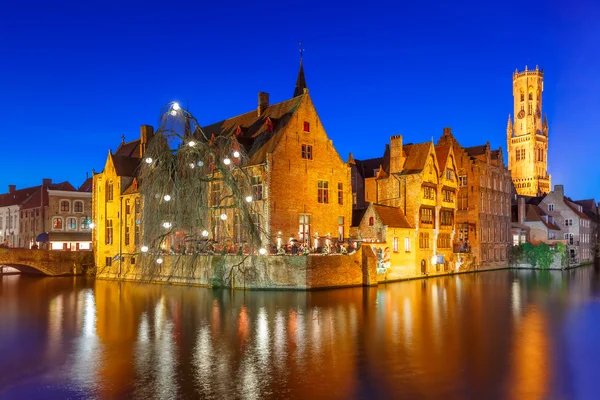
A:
[301,80]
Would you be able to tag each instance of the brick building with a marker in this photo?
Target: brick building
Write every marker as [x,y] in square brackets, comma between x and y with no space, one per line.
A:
[483,203]
[301,185]
[422,188]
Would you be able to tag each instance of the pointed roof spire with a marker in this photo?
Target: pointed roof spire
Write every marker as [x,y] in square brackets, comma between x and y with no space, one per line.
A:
[301,81]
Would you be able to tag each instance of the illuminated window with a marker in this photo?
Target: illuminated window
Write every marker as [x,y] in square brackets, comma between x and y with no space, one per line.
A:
[462,181]
[341,229]
[127,207]
[395,245]
[304,230]
[448,195]
[446,218]
[340,193]
[127,231]
[407,244]
[57,223]
[306,126]
[371,221]
[215,194]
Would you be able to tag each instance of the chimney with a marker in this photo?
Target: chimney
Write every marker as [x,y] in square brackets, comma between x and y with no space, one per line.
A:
[47,181]
[447,131]
[263,102]
[12,188]
[146,134]
[396,159]
[560,189]
[521,209]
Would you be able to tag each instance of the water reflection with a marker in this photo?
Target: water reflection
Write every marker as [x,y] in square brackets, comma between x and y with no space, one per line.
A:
[490,335]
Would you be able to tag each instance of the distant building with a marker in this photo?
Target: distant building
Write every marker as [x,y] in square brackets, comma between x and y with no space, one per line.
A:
[553,218]
[527,135]
[483,203]
[56,211]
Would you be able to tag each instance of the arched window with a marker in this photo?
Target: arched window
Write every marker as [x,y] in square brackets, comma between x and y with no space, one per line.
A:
[522,95]
[84,224]
[65,206]
[78,206]
[109,190]
[71,224]
[371,221]
[57,224]
[530,95]
[127,207]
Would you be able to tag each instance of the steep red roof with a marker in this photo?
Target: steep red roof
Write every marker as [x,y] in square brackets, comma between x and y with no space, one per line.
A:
[17,197]
[129,149]
[441,153]
[391,216]
[86,186]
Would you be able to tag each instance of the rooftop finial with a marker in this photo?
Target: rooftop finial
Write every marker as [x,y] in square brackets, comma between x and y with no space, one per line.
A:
[301,81]
[301,50]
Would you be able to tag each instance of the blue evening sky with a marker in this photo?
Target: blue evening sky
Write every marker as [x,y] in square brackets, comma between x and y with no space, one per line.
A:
[75,76]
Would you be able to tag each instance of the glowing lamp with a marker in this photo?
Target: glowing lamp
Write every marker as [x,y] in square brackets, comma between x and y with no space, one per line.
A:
[176,106]
[263,251]
[92,225]
[200,163]
[166,225]
[226,161]
[167,197]
[144,249]
[192,166]
[236,154]
[159,260]
[223,217]
[148,160]
[249,199]
[191,143]
[205,233]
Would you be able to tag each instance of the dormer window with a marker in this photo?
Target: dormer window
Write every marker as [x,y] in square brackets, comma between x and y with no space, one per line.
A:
[269,124]
[371,221]
[306,126]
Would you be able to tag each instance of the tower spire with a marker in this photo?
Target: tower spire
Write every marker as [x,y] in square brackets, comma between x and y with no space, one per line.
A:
[301,80]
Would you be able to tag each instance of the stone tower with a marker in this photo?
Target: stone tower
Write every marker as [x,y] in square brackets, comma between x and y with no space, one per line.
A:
[527,136]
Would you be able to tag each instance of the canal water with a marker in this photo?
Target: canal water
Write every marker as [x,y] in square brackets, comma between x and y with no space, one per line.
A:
[491,335]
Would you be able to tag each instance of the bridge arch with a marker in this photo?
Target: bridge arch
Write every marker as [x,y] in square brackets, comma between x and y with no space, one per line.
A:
[47,262]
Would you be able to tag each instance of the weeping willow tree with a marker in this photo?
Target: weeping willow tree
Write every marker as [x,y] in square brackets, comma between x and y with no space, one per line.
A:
[198,198]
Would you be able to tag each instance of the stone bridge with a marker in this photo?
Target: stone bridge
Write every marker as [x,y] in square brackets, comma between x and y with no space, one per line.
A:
[47,262]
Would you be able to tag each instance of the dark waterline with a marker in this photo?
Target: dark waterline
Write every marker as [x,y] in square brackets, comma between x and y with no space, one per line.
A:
[504,334]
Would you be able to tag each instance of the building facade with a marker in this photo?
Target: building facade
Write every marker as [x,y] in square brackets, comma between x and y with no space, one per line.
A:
[301,186]
[411,179]
[527,135]
[483,216]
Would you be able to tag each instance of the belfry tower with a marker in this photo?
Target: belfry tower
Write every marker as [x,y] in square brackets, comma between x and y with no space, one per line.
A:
[527,136]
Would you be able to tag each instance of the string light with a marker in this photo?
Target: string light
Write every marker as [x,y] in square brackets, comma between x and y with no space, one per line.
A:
[167,197]
[173,112]
[200,163]
[263,251]
[249,199]
[148,160]
[236,154]
[191,143]
[223,217]
[192,166]
[144,249]
[167,225]
[226,161]
[176,106]
[205,233]
[92,225]
[159,260]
